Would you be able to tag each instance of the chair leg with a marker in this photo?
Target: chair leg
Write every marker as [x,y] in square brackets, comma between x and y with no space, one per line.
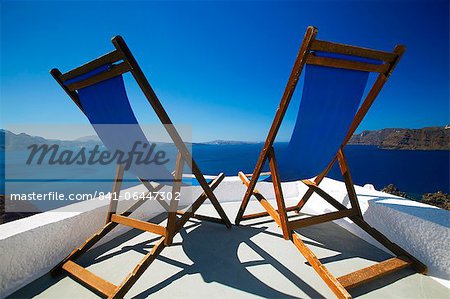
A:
[197,203]
[323,272]
[279,195]
[317,181]
[262,200]
[251,186]
[172,212]
[210,194]
[115,192]
[345,171]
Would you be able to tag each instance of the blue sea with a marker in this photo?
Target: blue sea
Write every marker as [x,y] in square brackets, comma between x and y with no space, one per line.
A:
[414,172]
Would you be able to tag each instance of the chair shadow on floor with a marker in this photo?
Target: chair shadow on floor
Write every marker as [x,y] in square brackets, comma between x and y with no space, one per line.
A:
[213,252]
[214,255]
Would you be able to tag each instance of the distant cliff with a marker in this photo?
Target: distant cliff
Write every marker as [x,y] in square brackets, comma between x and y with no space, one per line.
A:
[431,138]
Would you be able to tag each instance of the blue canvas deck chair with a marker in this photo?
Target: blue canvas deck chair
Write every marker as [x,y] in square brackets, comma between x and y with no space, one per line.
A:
[98,89]
[330,111]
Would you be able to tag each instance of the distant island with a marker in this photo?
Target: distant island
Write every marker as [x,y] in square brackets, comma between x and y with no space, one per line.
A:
[430,138]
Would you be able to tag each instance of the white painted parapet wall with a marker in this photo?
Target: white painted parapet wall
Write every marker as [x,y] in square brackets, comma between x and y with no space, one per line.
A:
[30,247]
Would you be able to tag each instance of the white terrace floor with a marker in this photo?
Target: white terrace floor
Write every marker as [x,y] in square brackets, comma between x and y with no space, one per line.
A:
[210,261]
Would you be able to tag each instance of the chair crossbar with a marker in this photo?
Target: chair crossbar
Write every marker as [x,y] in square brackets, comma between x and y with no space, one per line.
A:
[370,273]
[110,57]
[139,224]
[114,71]
[304,222]
[347,64]
[89,279]
[264,214]
[325,46]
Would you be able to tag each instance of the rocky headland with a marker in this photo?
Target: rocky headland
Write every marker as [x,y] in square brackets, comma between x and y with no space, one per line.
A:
[430,138]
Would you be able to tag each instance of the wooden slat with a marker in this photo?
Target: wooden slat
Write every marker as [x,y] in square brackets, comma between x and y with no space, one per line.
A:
[309,183]
[142,225]
[203,217]
[115,70]
[320,218]
[262,200]
[323,272]
[302,202]
[347,64]
[110,57]
[399,51]
[359,277]
[88,278]
[264,214]
[319,45]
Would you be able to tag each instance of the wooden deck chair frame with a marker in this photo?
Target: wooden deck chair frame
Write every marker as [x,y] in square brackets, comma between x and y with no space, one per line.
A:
[174,223]
[341,284]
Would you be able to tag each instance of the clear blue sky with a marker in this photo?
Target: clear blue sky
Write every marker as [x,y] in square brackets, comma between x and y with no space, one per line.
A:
[220,66]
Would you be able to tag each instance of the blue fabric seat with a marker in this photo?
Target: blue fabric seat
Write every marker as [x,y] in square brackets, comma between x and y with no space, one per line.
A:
[108,109]
[330,99]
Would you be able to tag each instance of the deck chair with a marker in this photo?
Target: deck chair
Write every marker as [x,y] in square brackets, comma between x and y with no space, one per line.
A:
[98,89]
[330,111]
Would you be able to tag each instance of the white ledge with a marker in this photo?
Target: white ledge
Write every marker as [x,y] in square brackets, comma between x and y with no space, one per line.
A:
[32,246]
